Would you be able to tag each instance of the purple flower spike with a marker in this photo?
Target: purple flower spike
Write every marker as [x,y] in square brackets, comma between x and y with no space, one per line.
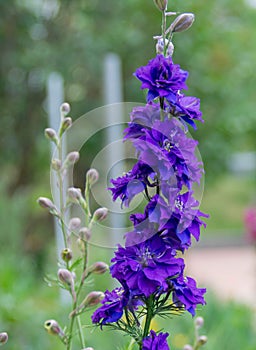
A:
[162,78]
[155,341]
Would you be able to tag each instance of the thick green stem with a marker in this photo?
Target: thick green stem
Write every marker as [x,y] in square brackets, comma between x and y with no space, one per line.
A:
[149,316]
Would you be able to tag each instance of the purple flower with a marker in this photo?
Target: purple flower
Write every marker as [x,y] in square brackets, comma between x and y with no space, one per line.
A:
[187,293]
[112,307]
[132,183]
[177,219]
[186,108]
[155,341]
[162,78]
[144,267]
[164,146]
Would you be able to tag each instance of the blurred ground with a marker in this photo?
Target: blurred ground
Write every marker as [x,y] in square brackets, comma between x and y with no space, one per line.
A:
[230,272]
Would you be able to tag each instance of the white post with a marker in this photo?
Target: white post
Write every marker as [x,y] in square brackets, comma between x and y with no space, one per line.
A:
[113,93]
[55,97]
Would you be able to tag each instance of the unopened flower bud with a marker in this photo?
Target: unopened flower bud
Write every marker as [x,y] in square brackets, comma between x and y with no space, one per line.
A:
[51,134]
[52,327]
[202,340]
[98,268]
[74,194]
[161,4]
[66,123]
[182,22]
[92,176]
[87,349]
[100,214]
[188,347]
[85,234]
[56,164]
[160,47]
[199,322]
[65,276]
[93,299]
[3,338]
[71,159]
[74,224]
[66,254]
[46,203]
[65,108]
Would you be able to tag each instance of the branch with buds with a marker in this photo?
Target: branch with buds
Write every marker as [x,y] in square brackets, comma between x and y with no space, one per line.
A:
[74,270]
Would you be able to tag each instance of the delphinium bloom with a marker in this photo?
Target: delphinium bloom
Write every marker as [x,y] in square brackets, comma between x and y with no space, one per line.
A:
[149,267]
[155,341]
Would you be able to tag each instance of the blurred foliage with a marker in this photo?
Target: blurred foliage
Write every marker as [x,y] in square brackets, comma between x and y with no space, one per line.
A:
[71,37]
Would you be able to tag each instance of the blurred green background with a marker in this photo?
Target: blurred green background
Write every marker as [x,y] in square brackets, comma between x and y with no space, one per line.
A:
[72,37]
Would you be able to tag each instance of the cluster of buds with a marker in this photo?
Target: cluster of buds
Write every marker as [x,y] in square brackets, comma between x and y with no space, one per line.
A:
[200,339]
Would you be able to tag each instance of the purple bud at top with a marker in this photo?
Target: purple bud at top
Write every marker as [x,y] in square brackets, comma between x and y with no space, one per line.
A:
[65,276]
[98,268]
[66,254]
[182,22]
[100,214]
[92,176]
[3,338]
[161,4]
[65,108]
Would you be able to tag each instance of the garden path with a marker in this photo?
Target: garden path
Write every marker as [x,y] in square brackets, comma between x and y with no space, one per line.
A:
[230,272]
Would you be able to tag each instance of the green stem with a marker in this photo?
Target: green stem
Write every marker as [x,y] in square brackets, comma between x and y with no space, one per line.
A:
[149,316]
[164,29]
[80,331]
[60,182]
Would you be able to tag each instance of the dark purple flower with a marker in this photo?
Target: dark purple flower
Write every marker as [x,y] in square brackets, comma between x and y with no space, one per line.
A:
[155,341]
[132,183]
[162,78]
[187,293]
[145,267]
[176,219]
[112,307]
[166,148]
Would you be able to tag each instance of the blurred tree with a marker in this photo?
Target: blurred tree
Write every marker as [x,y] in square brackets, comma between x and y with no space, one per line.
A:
[41,36]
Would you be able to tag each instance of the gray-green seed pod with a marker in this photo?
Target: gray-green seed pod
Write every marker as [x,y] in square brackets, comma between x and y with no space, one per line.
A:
[161,4]
[182,23]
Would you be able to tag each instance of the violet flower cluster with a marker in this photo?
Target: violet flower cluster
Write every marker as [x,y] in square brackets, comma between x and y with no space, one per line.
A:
[149,267]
